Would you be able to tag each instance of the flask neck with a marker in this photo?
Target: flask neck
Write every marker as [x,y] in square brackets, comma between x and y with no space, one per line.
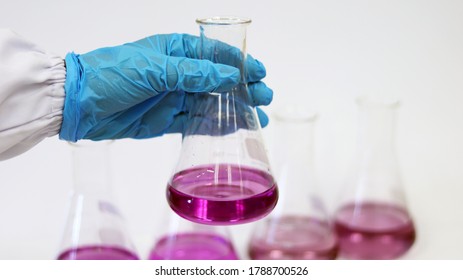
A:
[294,156]
[376,130]
[376,176]
[91,170]
[296,143]
[294,161]
[223,40]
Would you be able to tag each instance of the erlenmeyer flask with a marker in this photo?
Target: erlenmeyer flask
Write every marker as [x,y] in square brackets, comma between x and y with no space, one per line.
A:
[373,221]
[95,229]
[186,240]
[223,175]
[299,227]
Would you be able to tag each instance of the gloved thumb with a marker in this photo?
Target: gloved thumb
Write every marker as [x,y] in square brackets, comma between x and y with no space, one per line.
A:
[196,75]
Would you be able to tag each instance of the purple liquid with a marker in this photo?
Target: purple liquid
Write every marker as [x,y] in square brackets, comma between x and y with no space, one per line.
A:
[295,238]
[374,231]
[222,194]
[193,246]
[97,252]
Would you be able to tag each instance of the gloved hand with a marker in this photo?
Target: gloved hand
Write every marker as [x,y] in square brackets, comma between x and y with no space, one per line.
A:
[138,90]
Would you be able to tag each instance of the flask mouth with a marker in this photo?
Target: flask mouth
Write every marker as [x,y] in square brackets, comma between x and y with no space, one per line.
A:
[223,20]
[294,113]
[365,100]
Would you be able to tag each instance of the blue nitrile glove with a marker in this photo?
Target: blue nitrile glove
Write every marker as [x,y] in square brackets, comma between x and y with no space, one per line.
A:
[138,90]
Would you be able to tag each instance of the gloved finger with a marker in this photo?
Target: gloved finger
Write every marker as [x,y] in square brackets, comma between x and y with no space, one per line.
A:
[194,75]
[223,53]
[255,70]
[260,93]
[185,45]
[263,118]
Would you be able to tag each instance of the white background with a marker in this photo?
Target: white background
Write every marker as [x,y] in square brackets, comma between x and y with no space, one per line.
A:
[319,53]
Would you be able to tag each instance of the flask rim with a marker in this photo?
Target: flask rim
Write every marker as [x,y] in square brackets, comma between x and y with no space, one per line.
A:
[391,102]
[223,20]
[294,114]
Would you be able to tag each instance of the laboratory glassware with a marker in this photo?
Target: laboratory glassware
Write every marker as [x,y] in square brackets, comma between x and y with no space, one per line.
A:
[299,227]
[372,220]
[186,240]
[223,176]
[95,229]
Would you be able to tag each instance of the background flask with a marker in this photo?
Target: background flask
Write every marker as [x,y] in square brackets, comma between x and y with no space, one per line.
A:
[299,227]
[222,176]
[95,229]
[372,220]
[186,240]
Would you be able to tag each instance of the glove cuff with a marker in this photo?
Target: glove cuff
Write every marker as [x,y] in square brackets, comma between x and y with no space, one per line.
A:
[71,111]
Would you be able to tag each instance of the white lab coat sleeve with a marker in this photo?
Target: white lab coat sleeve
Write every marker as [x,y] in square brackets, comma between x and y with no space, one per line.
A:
[31,94]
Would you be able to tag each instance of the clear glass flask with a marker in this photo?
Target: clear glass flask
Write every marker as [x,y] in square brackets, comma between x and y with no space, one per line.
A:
[372,220]
[95,229]
[223,176]
[186,240]
[299,227]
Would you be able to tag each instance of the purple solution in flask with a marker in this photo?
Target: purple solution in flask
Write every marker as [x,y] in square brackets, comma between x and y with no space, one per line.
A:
[193,246]
[295,238]
[374,231]
[97,252]
[223,194]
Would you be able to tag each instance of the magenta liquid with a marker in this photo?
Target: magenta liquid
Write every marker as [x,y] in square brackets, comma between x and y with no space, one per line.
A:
[223,194]
[97,252]
[374,231]
[193,246]
[295,238]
